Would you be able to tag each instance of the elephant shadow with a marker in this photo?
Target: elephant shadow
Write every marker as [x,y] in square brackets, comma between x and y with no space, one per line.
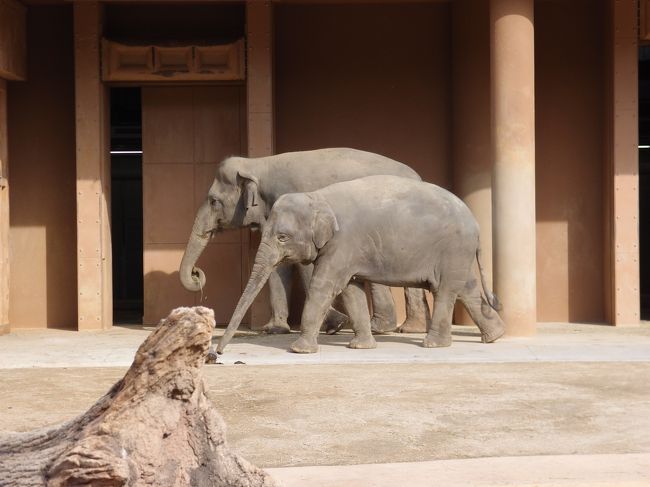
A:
[341,339]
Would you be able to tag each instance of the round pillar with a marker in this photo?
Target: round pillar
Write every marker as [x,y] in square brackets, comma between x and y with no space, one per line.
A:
[512,63]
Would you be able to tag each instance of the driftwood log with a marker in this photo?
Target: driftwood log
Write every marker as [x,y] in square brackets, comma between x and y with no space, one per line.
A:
[155,427]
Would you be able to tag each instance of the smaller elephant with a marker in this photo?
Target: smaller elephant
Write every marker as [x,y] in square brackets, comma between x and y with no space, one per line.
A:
[382,229]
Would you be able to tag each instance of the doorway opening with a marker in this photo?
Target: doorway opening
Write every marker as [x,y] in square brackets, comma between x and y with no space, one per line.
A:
[644,179]
[126,204]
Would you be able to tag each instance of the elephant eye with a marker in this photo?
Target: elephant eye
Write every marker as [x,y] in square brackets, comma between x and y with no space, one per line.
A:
[283,237]
[214,202]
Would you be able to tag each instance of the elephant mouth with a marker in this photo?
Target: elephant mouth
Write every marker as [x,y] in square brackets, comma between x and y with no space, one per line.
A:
[210,234]
[206,235]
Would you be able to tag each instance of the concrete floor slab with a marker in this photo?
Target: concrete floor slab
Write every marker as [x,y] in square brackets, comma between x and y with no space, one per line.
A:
[553,343]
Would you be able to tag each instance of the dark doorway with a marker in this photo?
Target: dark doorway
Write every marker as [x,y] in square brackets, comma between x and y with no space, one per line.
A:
[644,178]
[126,204]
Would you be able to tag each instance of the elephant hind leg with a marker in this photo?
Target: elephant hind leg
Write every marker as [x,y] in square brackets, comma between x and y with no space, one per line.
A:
[439,334]
[356,305]
[384,318]
[488,320]
[418,315]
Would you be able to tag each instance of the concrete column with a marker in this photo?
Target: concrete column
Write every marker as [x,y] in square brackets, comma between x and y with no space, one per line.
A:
[513,144]
[13,66]
[622,299]
[471,140]
[259,34]
[94,276]
[4,213]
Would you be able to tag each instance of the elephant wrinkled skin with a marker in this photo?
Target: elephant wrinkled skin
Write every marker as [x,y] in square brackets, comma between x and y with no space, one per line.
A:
[242,194]
[383,229]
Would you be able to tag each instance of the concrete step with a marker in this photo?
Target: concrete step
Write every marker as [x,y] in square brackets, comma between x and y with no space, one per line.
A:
[621,470]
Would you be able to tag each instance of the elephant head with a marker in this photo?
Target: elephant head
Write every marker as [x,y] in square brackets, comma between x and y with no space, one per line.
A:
[233,201]
[298,227]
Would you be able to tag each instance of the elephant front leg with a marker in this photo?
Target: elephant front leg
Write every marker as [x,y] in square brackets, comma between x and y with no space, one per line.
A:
[334,319]
[384,319]
[322,290]
[417,312]
[280,290]
[354,300]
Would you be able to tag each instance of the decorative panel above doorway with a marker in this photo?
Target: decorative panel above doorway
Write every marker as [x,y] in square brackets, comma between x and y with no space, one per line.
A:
[147,63]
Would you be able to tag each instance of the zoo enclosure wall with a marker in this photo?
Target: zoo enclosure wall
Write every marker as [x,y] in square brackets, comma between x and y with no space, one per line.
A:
[389,82]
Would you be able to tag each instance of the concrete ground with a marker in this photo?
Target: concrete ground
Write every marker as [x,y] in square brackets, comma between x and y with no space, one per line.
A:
[555,342]
[570,406]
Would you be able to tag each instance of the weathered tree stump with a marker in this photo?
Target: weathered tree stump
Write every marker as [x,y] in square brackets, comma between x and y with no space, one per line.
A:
[155,427]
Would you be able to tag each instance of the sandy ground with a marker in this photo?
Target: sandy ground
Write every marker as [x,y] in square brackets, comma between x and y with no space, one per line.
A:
[375,413]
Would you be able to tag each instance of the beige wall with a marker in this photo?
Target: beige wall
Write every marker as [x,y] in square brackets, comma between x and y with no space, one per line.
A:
[186,132]
[367,86]
[4,212]
[569,51]
[471,122]
[42,149]
[374,77]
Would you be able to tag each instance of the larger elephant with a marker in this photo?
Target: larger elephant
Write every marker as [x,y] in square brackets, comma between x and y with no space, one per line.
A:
[382,229]
[245,189]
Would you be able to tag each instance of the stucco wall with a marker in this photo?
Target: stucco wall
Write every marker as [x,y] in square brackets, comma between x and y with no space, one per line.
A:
[177,173]
[570,68]
[373,77]
[43,283]
[377,77]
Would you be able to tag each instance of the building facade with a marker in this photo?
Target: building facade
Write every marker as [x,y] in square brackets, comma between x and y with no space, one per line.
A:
[114,115]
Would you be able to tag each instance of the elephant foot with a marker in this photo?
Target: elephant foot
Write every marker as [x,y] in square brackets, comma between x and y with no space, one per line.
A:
[335,321]
[436,341]
[412,325]
[211,357]
[363,342]
[276,327]
[303,345]
[493,334]
[380,325]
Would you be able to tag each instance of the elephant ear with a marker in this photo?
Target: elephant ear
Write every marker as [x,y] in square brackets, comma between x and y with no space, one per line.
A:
[324,224]
[254,205]
[249,189]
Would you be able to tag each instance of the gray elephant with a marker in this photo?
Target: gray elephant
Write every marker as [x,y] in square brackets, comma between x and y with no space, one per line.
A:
[242,194]
[383,229]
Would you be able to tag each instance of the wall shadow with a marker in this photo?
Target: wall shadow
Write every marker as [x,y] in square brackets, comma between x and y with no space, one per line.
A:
[42,176]
[570,68]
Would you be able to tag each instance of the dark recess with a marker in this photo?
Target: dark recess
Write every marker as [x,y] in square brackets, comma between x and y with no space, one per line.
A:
[126,205]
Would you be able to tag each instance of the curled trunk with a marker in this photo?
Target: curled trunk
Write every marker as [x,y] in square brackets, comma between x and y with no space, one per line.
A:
[193,278]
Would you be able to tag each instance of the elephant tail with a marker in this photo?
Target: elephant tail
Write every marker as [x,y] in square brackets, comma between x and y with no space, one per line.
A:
[492,299]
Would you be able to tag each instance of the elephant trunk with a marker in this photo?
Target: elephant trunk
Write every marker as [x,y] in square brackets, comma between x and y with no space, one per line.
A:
[266,260]
[193,278]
